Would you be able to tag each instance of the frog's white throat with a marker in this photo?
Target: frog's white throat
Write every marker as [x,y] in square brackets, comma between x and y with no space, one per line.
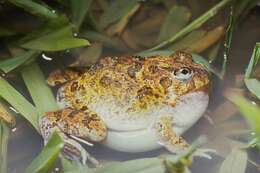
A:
[189,109]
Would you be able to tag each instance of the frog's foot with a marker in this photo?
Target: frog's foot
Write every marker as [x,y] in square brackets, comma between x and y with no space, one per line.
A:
[69,122]
[58,77]
[166,135]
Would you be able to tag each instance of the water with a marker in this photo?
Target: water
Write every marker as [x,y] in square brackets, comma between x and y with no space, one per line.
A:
[25,143]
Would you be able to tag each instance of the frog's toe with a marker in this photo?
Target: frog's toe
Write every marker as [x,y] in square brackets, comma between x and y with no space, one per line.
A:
[76,153]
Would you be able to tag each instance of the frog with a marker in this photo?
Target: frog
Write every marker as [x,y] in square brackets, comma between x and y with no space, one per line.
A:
[128,103]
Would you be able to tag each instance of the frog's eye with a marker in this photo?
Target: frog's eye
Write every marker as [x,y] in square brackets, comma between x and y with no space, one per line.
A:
[183,73]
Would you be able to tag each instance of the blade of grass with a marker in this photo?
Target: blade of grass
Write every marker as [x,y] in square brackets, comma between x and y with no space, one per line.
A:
[118,27]
[253,61]
[250,112]
[209,39]
[145,165]
[251,83]
[70,167]
[35,8]
[45,160]
[12,63]
[4,134]
[79,10]
[228,40]
[176,19]
[6,32]
[188,40]
[56,40]
[108,41]
[41,94]
[253,86]
[193,25]
[235,162]
[13,97]
[116,11]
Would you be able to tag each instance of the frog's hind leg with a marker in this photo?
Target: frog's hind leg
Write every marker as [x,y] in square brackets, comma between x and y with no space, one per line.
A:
[69,122]
[166,135]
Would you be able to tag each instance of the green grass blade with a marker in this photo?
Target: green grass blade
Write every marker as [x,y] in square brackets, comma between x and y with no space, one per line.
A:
[41,94]
[117,10]
[79,10]
[176,19]
[187,40]
[253,61]
[55,40]
[13,97]
[12,63]
[250,112]
[138,166]
[251,83]
[253,86]
[228,41]
[45,160]
[35,8]
[235,162]
[193,25]
[4,134]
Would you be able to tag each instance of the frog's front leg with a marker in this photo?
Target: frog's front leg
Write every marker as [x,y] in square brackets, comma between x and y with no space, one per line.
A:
[69,122]
[166,135]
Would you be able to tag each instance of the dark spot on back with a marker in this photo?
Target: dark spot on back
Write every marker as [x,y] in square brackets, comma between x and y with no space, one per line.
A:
[105,81]
[153,68]
[74,86]
[144,91]
[132,70]
[166,82]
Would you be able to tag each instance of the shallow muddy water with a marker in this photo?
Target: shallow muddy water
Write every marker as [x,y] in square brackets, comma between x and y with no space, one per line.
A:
[25,143]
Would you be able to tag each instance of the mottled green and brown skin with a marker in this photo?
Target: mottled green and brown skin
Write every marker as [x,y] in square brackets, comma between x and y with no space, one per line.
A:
[120,93]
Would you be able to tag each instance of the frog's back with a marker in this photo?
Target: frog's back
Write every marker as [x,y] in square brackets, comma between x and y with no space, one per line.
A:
[128,92]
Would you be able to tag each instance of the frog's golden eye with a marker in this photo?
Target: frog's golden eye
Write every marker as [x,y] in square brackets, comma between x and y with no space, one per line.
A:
[183,73]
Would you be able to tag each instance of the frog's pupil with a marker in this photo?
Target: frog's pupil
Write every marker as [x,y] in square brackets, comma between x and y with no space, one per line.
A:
[185,71]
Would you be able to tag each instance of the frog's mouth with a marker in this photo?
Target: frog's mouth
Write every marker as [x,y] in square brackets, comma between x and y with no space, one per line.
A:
[187,111]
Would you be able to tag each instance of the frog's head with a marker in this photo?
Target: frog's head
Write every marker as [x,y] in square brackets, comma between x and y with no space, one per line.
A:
[188,76]
[188,92]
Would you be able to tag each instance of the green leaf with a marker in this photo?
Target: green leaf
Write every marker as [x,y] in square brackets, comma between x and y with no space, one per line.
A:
[70,167]
[253,61]
[12,63]
[55,40]
[228,40]
[147,165]
[45,160]
[108,41]
[188,40]
[79,10]
[254,86]
[176,19]
[4,134]
[41,94]
[193,25]
[6,32]
[250,112]
[35,8]
[13,97]
[117,10]
[235,162]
